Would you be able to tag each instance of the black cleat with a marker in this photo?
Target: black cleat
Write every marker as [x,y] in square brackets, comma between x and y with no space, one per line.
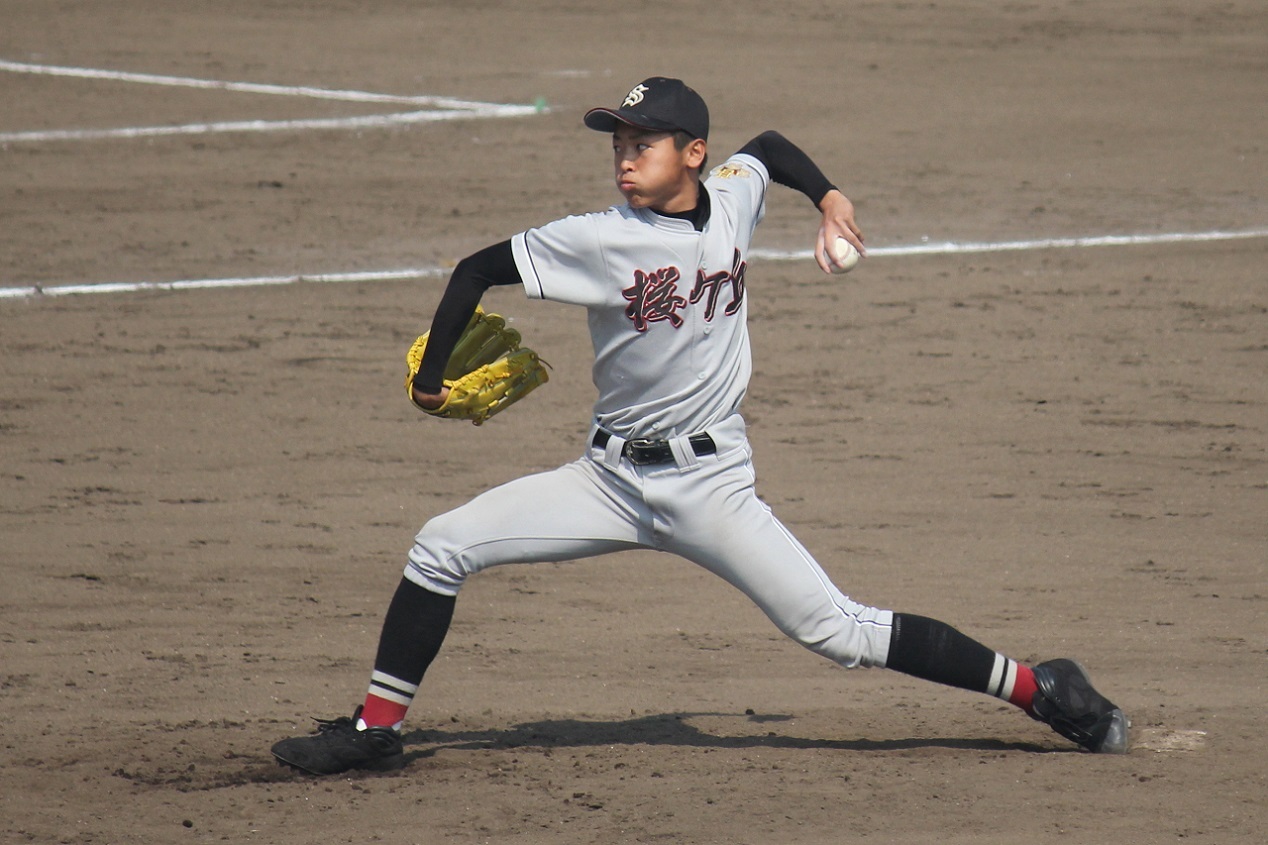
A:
[1067,701]
[338,746]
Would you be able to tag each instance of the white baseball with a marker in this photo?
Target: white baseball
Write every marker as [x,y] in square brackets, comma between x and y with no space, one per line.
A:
[845,254]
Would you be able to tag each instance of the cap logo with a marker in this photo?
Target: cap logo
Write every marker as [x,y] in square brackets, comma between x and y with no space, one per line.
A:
[635,96]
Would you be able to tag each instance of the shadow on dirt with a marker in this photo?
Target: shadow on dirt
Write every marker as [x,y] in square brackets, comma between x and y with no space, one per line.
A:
[675,729]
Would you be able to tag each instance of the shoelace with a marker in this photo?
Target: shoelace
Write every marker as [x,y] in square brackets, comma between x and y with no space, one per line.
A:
[331,725]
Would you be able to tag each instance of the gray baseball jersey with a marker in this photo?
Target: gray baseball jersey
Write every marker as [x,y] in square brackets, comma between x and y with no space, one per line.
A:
[670,339]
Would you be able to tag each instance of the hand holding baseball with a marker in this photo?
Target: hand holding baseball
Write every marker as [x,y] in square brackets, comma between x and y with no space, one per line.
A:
[840,241]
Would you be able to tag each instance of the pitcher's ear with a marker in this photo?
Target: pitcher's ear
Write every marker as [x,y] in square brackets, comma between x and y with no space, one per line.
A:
[697,153]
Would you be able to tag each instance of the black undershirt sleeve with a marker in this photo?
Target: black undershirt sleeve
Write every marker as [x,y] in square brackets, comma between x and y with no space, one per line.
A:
[789,165]
[475,274]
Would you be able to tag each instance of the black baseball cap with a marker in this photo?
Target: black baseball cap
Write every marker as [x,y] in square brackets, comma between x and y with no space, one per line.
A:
[659,103]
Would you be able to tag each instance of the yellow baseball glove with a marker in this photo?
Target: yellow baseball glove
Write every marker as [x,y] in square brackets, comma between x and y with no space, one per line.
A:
[487,372]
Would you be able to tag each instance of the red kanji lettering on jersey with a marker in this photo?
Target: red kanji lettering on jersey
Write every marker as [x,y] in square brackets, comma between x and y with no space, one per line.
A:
[711,285]
[654,297]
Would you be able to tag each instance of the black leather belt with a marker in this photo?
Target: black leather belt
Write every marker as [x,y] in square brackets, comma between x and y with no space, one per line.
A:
[647,452]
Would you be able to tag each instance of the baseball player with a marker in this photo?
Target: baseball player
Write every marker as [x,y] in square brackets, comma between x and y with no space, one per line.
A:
[666,464]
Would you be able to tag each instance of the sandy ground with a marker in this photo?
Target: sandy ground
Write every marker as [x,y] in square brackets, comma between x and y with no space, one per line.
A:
[206,495]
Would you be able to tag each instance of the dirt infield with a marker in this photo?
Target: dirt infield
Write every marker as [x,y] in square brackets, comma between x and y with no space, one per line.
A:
[206,495]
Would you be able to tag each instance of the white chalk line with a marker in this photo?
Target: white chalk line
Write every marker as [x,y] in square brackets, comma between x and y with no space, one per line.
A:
[946,248]
[243,87]
[374,121]
[440,108]
[206,284]
[953,248]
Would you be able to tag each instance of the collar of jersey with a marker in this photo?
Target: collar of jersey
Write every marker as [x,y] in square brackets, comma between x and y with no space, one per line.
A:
[677,224]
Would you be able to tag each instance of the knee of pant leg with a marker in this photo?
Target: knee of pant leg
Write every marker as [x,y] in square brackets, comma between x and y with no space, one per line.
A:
[419,573]
[855,639]
[422,571]
[433,562]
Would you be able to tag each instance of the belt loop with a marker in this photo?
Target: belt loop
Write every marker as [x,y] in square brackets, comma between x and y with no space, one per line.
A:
[684,454]
[612,451]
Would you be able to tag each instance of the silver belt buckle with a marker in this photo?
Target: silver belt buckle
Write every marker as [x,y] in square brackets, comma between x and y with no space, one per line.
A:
[636,451]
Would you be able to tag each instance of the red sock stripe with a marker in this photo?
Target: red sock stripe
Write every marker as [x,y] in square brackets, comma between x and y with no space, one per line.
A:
[1023,688]
[379,712]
